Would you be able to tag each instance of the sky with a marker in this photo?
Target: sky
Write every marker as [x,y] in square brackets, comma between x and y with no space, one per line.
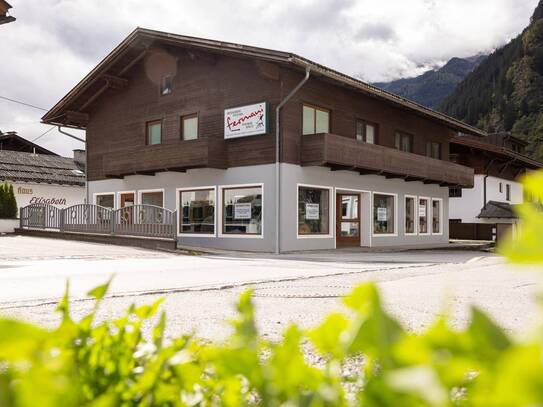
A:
[55,43]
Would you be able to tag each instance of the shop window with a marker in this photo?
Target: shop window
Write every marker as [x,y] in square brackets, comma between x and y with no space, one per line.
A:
[166,85]
[197,209]
[383,214]
[315,120]
[313,211]
[423,216]
[436,216]
[403,142]
[154,132]
[433,150]
[155,198]
[507,192]
[409,215]
[242,210]
[366,132]
[455,192]
[189,127]
[106,200]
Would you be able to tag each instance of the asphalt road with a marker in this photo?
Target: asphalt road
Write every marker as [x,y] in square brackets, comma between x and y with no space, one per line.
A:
[301,287]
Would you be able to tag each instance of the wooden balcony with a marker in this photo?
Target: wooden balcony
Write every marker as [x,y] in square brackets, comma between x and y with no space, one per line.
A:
[342,153]
[178,157]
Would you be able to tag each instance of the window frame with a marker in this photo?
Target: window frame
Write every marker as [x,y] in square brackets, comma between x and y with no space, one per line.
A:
[366,123]
[440,200]
[220,230]
[415,214]
[395,196]
[411,141]
[508,192]
[428,216]
[429,149]
[179,214]
[331,213]
[147,125]
[322,109]
[143,191]
[97,194]
[182,118]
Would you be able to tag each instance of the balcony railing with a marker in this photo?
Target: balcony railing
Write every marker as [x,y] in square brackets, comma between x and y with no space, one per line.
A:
[342,153]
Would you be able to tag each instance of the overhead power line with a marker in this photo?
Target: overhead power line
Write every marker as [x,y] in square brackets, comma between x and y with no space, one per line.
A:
[43,134]
[23,103]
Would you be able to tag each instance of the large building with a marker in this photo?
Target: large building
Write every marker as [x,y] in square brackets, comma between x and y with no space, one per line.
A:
[486,211]
[262,150]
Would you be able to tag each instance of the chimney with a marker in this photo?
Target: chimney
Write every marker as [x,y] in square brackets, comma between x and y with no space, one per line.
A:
[80,157]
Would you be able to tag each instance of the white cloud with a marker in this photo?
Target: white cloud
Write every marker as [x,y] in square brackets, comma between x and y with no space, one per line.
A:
[53,44]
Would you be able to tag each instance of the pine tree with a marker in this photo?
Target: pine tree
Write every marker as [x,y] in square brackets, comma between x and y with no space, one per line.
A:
[11,202]
[2,201]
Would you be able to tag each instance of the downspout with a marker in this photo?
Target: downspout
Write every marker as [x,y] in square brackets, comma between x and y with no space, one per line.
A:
[86,162]
[277,159]
[487,169]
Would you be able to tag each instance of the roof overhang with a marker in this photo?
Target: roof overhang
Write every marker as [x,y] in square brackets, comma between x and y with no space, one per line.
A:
[70,111]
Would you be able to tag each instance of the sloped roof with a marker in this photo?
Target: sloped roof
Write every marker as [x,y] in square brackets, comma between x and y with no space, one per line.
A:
[497,210]
[42,168]
[117,62]
[12,141]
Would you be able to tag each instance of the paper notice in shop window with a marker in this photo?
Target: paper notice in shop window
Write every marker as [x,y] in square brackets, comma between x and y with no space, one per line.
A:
[381,214]
[312,211]
[242,211]
[422,211]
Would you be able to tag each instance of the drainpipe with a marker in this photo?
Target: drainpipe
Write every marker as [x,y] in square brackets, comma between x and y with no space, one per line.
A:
[487,169]
[277,159]
[86,162]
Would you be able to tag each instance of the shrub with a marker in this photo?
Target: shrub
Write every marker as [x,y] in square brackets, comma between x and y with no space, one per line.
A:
[114,364]
[8,203]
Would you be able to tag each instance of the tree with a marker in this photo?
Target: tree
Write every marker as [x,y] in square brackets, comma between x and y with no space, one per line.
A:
[8,203]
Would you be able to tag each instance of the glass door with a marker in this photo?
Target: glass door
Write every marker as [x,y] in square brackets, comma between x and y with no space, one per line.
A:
[348,220]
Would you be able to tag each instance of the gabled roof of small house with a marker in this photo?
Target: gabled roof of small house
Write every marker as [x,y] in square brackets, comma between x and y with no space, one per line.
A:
[71,110]
[39,168]
[497,210]
[12,141]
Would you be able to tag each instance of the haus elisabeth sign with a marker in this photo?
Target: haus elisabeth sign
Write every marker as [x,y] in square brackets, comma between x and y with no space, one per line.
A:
[243,121]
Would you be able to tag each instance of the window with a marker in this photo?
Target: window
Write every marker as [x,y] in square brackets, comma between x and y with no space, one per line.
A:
[436,216]
[501,189]
[189,127]
[155,198]
[455,192]
[313,211]
[423,216]
[242,210]
[166,85]
[383,214]
[409,215]
[197,209]
[315,120]
[366,132]
[403,142]
[433,150]
[154,132]
[106,200]
[508,192]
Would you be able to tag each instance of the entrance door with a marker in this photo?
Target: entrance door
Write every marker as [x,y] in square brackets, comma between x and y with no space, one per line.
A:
[348,220]
[127,201]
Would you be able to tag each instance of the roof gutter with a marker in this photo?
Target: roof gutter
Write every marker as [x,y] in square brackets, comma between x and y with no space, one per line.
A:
[278,158]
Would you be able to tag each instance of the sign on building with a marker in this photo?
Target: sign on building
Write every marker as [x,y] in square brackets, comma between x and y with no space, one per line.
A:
[312,211]
[381,214]
[242,211]
[243,121]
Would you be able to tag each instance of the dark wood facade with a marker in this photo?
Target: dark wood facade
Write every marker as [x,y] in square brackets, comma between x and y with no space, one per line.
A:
[115,107]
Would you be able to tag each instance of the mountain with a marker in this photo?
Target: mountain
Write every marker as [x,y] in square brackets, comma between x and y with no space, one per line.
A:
[430,88]
[505,92]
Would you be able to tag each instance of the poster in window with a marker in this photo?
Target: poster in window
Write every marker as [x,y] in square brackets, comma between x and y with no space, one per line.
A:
[242,211]
[312,211]
[422,210]
[381,214]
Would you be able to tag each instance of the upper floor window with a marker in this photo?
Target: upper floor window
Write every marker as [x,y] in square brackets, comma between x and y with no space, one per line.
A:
[189,127]
[315,120]
[154,132]
[433,150]
[501,189]
[455,192]
[508,192]
[166,85]
[366,132]
[403,142]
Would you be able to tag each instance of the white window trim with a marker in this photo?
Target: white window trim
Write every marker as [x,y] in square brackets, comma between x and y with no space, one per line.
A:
[440,216]
[395,234]
[143,191]
[331,212]
[118,197]
[178,209]
[428,216]
[221,204]
[96,194]
[415,215]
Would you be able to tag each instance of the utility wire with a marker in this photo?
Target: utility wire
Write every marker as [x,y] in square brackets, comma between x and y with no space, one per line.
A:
[43,134]
[23,103]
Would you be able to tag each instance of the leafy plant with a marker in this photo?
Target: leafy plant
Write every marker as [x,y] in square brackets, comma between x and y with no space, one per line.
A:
[8,203]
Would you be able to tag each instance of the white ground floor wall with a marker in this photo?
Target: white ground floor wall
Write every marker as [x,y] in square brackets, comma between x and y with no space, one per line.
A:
[292,177]
[60,196]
